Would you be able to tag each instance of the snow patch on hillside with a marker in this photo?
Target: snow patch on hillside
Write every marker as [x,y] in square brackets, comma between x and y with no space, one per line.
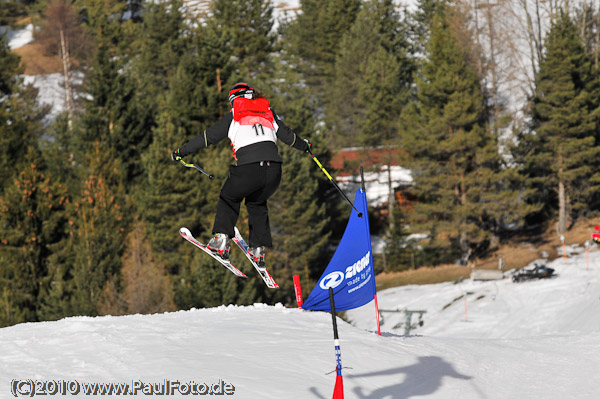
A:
[18,37]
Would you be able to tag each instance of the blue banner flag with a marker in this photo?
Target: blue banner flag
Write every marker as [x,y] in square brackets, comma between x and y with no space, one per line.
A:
[350,272]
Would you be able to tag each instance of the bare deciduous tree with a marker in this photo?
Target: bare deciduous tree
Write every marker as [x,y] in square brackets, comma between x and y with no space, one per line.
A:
[510,34]
[587,18]
[60,33]
[147,289]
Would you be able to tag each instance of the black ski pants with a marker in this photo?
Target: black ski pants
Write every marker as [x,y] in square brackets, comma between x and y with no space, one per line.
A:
[255,183]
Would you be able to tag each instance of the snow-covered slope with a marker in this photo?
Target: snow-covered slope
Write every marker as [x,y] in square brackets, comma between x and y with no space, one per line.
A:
[539,339]
[570,301]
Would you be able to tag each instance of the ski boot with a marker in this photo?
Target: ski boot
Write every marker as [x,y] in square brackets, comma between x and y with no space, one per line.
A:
[258,254]
[219,245]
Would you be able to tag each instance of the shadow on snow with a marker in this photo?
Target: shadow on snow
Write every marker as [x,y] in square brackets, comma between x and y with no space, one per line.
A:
[420,379]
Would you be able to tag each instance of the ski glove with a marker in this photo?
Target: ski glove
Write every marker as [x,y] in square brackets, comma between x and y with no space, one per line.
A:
[176,156]
[308,146]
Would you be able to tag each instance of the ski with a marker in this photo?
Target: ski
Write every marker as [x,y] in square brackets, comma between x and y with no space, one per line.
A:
[269,281]
[185,233]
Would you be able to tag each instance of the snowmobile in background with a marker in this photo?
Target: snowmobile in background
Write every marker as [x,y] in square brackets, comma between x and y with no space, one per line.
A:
[538,272]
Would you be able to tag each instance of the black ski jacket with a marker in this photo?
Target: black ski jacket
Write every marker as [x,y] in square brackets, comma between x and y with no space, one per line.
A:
[262,151]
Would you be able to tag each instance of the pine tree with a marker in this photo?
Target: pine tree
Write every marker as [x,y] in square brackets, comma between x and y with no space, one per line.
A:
[399,253]
[32,219]
[454,154]
[54,298]
[561,155]
[110,114]
[245,30]
[373,73]
[312,40]
[86,156]
[373,83]
[99,227]
[11,12]
[10,68]
[422,19]
[129,106]
[163,44]
[20,115]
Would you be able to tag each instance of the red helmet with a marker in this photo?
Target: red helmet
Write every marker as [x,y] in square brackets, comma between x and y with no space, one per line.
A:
[240,89]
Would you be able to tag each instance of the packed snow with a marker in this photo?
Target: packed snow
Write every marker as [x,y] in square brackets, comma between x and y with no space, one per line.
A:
[535,339]
[499,309]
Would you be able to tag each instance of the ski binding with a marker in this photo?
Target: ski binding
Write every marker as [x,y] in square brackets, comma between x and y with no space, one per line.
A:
[269,281]
[185,233]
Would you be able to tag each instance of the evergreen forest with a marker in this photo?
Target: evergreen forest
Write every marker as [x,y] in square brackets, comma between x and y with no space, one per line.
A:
[91,203]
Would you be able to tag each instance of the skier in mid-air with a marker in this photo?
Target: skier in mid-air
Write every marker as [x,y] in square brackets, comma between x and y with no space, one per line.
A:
[253,129]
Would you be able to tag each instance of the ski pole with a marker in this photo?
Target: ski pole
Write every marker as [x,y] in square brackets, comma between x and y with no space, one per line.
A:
[191,165]
[333,181]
